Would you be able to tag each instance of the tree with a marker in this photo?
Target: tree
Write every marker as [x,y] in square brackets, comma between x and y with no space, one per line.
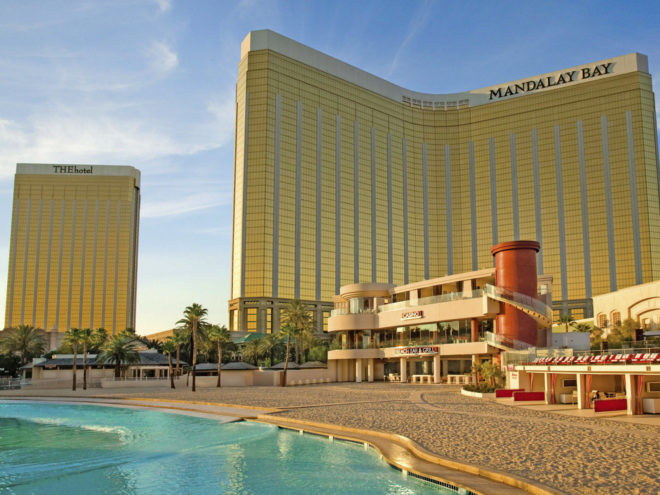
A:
[251,351]
[491,372]
[73,338]
[152,344]
[194,317]
[179,337]
[566,320]
[99,338]
[119,350]
[297,315]
[86,336]
[24,340]
[169,347]
[267,345]
[219,335]
[287,331]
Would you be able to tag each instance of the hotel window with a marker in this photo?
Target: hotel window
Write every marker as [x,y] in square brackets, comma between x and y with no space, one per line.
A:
[602,321]
[616,318]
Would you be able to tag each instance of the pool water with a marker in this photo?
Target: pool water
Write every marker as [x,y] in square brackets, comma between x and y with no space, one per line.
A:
[80,449]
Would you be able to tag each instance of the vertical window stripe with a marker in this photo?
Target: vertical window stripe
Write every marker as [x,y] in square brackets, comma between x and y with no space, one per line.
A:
[608,202]
[586,244]
[493,189]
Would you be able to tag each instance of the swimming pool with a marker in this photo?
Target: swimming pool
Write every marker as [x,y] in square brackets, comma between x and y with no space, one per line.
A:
[64,449]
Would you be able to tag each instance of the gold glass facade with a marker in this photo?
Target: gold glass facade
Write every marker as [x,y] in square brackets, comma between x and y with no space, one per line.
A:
[73,252]
[338,180]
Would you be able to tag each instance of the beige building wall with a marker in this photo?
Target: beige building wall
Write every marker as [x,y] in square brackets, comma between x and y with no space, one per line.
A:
[73,251]
[342,177]
[640,303]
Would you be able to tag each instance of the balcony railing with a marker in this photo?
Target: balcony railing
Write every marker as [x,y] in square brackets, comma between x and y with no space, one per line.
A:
[452,296]
[382,344]
[344,311]
[533,307]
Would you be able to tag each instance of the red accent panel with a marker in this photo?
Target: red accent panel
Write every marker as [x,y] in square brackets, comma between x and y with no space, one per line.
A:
[525,396]
[601,405]
[504,392]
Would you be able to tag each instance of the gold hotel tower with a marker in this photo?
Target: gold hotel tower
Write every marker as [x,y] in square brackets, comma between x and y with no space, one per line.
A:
[73,251]
[342,177]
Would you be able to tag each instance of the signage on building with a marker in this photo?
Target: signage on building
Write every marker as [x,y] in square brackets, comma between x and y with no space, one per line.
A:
[412,315]
[416,351]
[72,169]
[551,81]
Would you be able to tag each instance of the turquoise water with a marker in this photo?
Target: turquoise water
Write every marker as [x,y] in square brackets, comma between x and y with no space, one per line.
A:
[71,449]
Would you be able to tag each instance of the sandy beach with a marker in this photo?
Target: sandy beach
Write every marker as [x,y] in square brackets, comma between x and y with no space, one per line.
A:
[570,454]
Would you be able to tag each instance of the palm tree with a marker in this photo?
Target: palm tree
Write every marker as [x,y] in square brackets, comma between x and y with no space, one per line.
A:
[169,347]
[267,345]
[297,315]
[219,335]
[194,317]
[119,350]
[86,336]
[179,337]
[99,337]
[73,337]
[566,320]
[287,331]
[251,351]
[25,340]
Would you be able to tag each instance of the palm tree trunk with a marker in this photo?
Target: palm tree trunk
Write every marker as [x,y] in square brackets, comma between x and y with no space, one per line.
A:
[286,361]
[85,365]
[178,358]
[75,358]
[194,352]
[219,361]
[169,360]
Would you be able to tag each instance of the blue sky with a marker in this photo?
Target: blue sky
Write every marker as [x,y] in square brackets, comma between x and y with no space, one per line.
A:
[150,83]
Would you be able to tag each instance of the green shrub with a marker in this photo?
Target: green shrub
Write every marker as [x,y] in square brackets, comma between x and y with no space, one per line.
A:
[482,388]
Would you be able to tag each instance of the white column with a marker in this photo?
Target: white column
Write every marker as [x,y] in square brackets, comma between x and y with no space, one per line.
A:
[630,393]
[370,370]
[358,371]
[404,370]
[436,369]
[581,385]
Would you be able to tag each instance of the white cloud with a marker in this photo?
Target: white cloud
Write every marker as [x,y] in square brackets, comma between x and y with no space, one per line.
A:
[179,206]
[164,5]
[224,110]
[161,57]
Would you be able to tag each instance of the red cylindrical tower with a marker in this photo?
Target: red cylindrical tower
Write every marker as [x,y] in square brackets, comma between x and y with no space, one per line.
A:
[515,269]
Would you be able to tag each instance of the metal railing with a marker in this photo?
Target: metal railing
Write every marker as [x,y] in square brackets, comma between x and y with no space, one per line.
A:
[530,305]
[382,344]
[503,341]
[10,383]
[452,296]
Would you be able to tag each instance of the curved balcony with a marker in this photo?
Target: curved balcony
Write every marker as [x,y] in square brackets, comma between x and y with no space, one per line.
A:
[356,354]
[349,321]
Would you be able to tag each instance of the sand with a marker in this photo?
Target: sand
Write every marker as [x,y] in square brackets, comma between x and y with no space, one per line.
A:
[570,454]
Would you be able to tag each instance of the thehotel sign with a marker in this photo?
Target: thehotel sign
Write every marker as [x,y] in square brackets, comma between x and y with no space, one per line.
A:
[72,169]
[412,315]
[552,80]
[416,351]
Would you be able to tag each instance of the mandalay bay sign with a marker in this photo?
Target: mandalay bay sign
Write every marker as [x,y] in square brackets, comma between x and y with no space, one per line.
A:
[552,80]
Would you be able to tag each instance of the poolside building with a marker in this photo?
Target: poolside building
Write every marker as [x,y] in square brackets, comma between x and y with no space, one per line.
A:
[434,330]
[73,248]
[341,178]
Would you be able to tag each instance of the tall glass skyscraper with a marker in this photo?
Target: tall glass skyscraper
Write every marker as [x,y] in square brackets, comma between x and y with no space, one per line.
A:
[342,177]
[73,251]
